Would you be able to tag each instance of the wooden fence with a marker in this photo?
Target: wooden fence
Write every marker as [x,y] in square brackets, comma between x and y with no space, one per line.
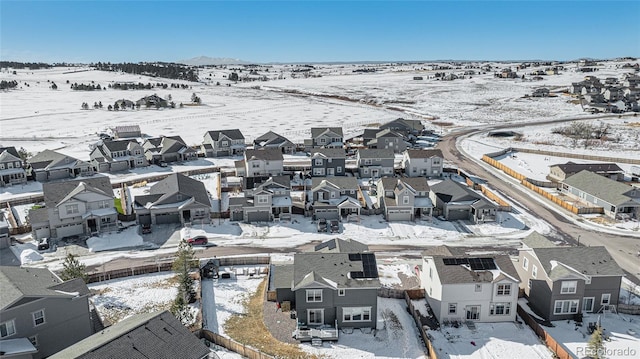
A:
[628,309]
[233,345]
[559,351]
[400,293]
[576,155]
[504,206]
[431,352]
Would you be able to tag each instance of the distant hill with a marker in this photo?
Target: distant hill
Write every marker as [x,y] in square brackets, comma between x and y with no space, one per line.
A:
[205,60]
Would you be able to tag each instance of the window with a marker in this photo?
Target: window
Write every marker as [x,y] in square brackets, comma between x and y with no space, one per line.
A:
[569,287]
[315,316]
[606,299]
[263,199]
[38,317]
[504,289]
[341,292]
[318,171]
[565,307]
[478,287]
[255,164]
[72,209]
[322,140]
[453,307]
[104,204]
[430,273]
[534,272]
[500,309]
[525,263]
[405,199]
[339,169]
[105,220]
[10,165]
[587,304]
[34,340]
[224,144]
[529,284]
[317,162]
[7,328]
[367,161]
[314,295]
[356,314]
[1,166]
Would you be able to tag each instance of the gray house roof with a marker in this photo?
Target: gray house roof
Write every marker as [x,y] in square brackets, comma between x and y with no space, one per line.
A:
[571,167]
[121,145]
[585,260]
[403,124]
[11,149]
[451,191]
[462,273]
[417,183]
[51,159]
[233,134]
[317,131]
[424,153]
[341,246]
[54,192]
[265,154]
[187,186]
[376,153]
[536,240]
[329,152]
[31,283]
[600,187]
[345,183]
[270,138]
[6,156]
[332,269]
[148,335]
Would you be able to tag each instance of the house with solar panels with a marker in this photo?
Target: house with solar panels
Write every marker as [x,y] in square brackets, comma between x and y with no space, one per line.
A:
[335,286]
[462,286]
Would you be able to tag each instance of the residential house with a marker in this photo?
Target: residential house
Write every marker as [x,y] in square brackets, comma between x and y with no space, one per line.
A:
[50,165]
[334,287]
[146,335]
[130,131]
[161,150]
[152,101]
[404,126]
[40,314]
[263,162]
[223,143]
[11,171]
[541,92]
[404,199]
[613,94]
[425,163]
[455,201]
[75,207]
[325,137]
[175,199]
[387,139]
[335,198]
[562,171]
[274,140]
[462,286]
[113,156]
[328,162]
[614,197]
[562,281]
[375,163]
[267,201]
[5,240]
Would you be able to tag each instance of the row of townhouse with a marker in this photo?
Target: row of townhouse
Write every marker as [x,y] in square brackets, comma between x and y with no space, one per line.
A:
[611,96]
[462,284]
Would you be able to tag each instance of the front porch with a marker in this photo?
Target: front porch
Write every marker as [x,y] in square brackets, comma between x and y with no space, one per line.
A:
[324,332]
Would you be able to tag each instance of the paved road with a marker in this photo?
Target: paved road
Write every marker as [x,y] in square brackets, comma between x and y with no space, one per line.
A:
[623,249]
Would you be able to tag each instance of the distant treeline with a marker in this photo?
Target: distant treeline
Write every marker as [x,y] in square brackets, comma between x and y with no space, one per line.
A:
[147,86]
[24,65]
[158,69]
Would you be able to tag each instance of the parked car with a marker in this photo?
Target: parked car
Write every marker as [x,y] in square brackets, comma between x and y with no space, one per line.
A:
[43,244]
[322,225]
[334,226]
[198,240]
[146,228]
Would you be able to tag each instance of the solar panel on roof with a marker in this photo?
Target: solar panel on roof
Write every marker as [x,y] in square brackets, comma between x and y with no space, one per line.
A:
[473,263]
[329,245]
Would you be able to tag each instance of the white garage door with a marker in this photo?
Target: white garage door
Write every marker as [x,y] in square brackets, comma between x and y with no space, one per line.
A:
[399,215]
[70,230]
[43,233]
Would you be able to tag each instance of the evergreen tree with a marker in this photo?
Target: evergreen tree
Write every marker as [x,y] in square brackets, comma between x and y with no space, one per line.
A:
[72,268]
[181,310]
[596,344]
[185,260]
[24,154]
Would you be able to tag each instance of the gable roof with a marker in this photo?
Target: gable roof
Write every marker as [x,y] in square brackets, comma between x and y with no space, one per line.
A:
[404,124]
[148,335]
[318,131]
[233,134]
[18,283]
[600,186]
[341,246]
[381,153]
[335,270]
[424,153]
[84,187]
[417,183]
[48,159]
[338,182]
[328,153]
[120,145]
[179,183]
[264,154]
[11,149]
[537,240]
[55,192]
[7,156]
[571,167]
[584,260]
[450,272]
[452,191]
[270,139]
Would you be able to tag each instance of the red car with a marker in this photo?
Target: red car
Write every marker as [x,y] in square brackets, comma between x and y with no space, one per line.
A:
[198,240]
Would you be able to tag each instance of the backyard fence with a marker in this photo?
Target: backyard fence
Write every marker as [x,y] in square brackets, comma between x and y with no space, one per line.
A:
[233,345]
[559,351]
[415,314]
[628,309]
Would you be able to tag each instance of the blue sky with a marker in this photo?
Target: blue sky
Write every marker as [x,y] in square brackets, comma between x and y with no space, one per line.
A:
[308,31]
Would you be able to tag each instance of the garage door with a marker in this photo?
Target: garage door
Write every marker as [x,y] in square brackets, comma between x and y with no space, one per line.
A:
[144,219]
[458,214]
[71,230]
[258,217]
[326,213]
[399,215]
[164,218]
[42,233]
